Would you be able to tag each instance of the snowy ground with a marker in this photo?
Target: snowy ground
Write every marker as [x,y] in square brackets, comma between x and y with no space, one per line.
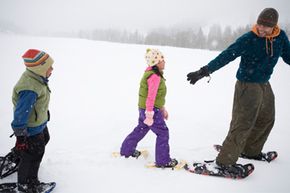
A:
[94,106]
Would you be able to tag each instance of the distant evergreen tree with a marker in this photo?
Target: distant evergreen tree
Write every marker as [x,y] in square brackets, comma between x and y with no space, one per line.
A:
[227,37]
[200,40]
[214,37]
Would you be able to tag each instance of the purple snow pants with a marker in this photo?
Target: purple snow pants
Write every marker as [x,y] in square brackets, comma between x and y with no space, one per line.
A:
[159,127]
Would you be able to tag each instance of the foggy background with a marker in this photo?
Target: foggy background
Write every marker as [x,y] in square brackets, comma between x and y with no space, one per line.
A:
[180,23]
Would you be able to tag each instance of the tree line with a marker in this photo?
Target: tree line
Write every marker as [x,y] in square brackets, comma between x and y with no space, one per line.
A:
[216,38]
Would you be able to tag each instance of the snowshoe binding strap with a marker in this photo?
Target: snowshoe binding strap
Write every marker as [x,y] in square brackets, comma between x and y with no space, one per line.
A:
[269,156]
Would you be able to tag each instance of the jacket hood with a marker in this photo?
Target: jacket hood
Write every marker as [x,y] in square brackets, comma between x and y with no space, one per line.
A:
[275,33]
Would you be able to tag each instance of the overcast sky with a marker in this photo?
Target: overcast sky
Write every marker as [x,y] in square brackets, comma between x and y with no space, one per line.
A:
[73,15]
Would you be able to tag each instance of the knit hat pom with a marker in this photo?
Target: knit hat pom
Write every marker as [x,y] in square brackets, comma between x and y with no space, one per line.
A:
[268,17]
[153,57]
[37,61]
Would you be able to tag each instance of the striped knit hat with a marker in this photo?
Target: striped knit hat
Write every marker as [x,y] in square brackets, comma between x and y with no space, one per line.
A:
[153,57]
[37,61]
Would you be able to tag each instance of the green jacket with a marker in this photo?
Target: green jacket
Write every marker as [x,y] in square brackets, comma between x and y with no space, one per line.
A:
[143,91]
[33,82]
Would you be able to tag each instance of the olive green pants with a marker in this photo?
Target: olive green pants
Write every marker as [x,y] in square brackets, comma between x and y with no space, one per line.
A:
[253,117]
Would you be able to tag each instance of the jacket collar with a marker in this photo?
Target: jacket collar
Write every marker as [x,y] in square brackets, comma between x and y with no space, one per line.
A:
[275,33]
[268,39]
[37,77]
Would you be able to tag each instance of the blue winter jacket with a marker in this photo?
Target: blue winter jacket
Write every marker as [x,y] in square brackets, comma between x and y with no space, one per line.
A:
[258,55]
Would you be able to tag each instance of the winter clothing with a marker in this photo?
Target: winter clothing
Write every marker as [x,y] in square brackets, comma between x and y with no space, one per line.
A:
[31,157]
[257,60]
[193,77]
[31,96]
[159,128]
[253,114]
[153,57]
[171,164]
[152,91]
[37,61]
[149,118]
[253,117]
[165,113]
[152,113]
[269,39]
[268,17]
[21,143]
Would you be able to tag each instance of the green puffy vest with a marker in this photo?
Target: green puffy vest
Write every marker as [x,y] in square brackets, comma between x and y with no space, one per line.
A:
[33,82]
[143,92]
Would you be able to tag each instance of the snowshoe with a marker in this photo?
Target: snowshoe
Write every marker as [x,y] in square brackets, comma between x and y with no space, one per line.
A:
[268,156]
[26,188]
[210,168]
[9,164]
[8,187]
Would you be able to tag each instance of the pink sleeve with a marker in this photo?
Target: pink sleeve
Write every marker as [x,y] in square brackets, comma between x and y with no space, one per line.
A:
[153,84]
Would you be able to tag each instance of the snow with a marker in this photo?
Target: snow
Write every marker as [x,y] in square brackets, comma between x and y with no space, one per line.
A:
[94,106]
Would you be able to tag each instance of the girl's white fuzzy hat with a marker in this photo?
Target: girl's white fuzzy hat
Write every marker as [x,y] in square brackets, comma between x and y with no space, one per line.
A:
[153,57]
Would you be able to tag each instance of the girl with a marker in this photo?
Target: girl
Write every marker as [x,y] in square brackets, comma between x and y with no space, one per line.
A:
[152,112]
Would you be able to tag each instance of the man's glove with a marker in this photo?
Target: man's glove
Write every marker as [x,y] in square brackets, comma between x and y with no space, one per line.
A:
[193,77]
[21,143]
[149,118]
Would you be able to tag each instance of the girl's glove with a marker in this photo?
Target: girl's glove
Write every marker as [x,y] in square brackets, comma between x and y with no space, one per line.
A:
[149,118]
[21,143]
[164,113]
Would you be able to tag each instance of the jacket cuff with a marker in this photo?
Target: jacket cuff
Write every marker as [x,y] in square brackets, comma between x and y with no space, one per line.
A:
[20,131]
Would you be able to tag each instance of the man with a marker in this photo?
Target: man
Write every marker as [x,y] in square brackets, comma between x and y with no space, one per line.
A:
[253,113]
[30,98]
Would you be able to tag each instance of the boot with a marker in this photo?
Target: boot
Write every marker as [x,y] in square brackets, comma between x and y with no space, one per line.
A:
[135,154]
[24,188]
[171,164]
